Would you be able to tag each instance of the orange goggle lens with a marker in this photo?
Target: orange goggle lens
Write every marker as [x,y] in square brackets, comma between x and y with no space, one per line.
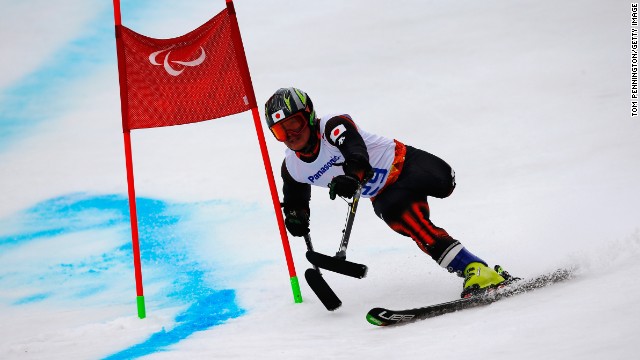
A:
[292,125]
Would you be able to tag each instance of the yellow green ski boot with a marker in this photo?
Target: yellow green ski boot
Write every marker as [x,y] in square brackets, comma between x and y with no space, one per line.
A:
[478,278]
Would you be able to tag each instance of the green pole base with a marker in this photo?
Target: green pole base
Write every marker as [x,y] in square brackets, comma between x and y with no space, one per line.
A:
[142,313]
[295,286]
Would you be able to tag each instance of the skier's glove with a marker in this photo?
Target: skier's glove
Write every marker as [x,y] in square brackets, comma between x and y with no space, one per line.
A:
[356,173]
[359,169]
[297,221]
[343,185]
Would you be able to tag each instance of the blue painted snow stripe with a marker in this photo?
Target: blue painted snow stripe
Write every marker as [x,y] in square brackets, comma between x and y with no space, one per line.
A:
[166,253]
[208,311]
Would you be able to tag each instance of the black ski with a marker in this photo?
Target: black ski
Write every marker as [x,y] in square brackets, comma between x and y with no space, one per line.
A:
[322,290]
[337,264]
[385,317]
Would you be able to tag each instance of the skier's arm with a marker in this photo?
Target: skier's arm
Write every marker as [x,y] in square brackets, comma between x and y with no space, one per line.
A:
[296,198]
[343,133]
[295,194]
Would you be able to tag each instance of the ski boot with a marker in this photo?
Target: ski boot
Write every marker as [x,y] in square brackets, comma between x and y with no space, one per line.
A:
[479,278]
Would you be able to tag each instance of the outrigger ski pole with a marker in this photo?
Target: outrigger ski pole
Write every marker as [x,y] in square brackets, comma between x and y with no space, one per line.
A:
[339,263]
[346,233]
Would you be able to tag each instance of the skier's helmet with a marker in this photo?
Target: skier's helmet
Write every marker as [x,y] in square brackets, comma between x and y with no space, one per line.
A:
[287,102]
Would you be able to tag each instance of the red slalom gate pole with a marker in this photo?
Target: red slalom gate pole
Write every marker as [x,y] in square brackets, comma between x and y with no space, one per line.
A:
[124,107]
[244,67]
[295,285]
[135,242]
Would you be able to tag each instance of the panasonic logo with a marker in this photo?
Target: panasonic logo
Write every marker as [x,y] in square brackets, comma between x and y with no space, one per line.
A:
[313,178]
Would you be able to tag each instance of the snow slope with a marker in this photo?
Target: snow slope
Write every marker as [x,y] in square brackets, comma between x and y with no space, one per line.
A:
[529,101]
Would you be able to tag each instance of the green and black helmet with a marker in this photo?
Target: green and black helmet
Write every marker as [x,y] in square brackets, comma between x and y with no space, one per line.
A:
[286,102]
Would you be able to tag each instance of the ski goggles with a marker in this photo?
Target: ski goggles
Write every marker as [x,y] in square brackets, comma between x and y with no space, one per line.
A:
[291,126]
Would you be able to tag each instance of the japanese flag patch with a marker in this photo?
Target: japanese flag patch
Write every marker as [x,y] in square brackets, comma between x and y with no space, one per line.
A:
[277,116]
[337,131]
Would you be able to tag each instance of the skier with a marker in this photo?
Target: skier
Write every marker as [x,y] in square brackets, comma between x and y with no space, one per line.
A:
[397,177]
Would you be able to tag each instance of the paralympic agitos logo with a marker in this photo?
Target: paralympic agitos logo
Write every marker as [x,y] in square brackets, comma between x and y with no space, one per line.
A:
[167,63]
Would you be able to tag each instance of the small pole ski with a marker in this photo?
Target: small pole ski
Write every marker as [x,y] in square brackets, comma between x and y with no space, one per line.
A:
[318,284]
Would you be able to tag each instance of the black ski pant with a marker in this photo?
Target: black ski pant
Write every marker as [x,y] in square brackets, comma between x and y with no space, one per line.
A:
[403,205]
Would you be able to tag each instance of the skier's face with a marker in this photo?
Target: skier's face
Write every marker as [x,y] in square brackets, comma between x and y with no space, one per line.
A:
[298,140]
[293,131]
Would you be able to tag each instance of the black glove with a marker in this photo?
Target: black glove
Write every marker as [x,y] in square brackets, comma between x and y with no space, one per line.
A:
[343,185]
[359,169]
[297,221]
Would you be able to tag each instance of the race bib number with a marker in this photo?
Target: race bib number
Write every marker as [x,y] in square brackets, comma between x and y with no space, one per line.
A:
[376,182]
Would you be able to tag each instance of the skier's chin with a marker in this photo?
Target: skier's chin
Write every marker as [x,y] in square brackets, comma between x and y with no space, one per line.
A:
[295,144]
